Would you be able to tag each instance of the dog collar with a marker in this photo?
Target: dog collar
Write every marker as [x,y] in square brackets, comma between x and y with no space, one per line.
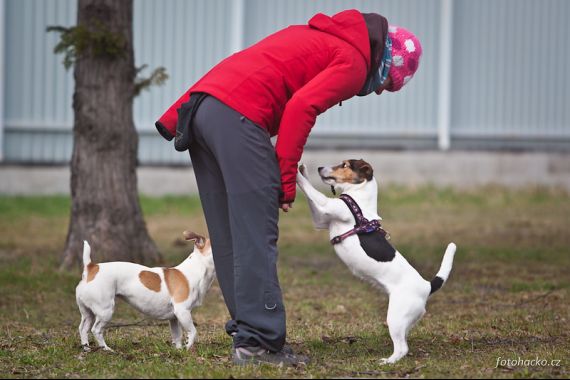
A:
[362,226]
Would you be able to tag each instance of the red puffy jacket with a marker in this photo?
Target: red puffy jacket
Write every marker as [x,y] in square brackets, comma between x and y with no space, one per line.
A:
[285,80]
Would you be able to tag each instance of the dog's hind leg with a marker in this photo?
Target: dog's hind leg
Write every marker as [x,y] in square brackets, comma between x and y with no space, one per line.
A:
[185,319]
[403,312]
[102,317]
[398,335]
[87,320]
[176,331]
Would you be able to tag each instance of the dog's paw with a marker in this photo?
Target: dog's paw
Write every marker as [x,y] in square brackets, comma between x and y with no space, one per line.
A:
[386,361]
[303,170]
[86,348]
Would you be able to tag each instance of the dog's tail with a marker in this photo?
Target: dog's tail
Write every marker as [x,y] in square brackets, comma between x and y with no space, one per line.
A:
[86,254]
[445,268]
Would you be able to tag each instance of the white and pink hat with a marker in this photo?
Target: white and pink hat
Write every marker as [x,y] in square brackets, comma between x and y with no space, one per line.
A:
[406,54]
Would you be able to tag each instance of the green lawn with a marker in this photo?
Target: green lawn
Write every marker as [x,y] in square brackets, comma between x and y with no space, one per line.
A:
[508,295]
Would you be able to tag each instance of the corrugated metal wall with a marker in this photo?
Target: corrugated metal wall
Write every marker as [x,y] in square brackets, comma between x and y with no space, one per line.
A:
[510,75]
[509,85]
[37,90]
[187,38]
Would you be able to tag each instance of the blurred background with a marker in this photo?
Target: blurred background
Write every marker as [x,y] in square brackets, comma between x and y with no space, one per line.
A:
[475,150]
[493,75]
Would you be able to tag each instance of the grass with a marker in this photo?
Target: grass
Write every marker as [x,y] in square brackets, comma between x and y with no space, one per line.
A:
[507,298]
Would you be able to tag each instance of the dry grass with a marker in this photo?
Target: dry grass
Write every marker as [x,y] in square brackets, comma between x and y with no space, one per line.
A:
[507,296]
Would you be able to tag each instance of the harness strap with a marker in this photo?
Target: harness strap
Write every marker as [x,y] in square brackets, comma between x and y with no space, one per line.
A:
[362,226]
[354,209]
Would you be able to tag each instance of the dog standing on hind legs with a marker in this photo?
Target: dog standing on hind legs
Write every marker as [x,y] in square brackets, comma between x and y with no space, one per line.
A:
[160,293]
[362,244]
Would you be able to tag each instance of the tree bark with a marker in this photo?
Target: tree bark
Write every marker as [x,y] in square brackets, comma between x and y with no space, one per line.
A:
[105,208]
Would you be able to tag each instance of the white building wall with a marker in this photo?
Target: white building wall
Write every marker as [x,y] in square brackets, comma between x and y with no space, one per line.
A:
[508,86]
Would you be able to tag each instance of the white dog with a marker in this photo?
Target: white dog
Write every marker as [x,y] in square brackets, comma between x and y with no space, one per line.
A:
[361,243]
[161,293]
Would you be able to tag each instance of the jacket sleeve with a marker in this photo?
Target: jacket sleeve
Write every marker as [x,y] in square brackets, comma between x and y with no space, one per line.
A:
[341,80]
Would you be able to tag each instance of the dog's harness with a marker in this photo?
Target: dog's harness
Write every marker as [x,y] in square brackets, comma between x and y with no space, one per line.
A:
[362,226]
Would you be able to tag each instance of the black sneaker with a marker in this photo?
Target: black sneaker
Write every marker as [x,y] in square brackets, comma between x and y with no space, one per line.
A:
[257,355]
[287,349]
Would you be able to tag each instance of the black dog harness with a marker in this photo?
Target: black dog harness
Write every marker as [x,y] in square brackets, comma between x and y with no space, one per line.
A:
[373,238]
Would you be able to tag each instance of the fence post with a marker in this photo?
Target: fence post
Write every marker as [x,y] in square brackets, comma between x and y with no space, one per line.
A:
[238,26]
[445,67]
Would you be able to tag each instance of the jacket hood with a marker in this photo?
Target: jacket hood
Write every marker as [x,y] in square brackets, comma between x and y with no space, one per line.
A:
[377,26]
[349,26]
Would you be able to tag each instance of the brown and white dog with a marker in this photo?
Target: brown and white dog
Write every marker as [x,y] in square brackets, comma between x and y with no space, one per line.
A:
[160,293]
[361,243]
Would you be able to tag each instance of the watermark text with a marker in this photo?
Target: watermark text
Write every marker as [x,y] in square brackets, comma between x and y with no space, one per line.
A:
[520,362]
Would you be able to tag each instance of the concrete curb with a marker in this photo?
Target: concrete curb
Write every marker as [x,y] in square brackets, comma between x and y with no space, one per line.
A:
[460,170]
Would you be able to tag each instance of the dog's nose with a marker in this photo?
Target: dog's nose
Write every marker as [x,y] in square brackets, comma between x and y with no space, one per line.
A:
[320,168]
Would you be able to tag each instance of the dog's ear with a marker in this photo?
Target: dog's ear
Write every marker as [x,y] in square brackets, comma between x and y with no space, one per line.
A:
[364,169]
[367,172]
[200,240]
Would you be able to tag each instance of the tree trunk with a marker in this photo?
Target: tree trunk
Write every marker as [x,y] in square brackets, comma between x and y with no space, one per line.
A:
[105,208]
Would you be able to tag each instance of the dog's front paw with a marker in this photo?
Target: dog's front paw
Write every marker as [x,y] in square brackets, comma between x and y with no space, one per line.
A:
[303,170]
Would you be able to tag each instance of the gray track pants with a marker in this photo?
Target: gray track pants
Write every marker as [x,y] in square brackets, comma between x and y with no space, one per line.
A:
[239,182]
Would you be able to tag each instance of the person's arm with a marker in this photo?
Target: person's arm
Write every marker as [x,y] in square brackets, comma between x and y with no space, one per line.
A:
[341,80]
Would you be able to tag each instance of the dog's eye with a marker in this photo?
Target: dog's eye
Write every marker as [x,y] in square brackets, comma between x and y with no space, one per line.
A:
[344,165]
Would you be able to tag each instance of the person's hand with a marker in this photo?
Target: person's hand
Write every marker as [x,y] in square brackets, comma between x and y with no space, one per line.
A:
[286,206]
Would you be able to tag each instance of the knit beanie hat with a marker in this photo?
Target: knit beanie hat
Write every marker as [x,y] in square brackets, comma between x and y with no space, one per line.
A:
[406,54]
